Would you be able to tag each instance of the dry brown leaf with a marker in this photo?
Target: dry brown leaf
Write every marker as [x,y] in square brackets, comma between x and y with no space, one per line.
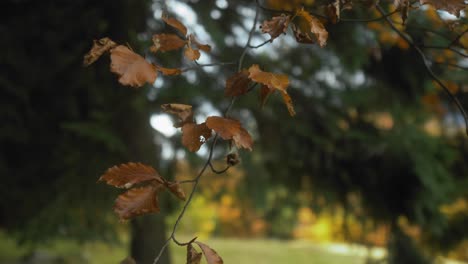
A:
[237,84]
[129,174]
[230,129]
[288,102]
[166,42]
[316,27]
[276,26]
[99,47]
[193,257]
[403,6]
[191,54]
[128,260]
[272,80]
[138,201]
[300,36]
[132,69]
[210,254]
[334,11]
[174,188]
[193,136]
[182,111]
[175,24]
[194,41]
[452,6]
[169,71]
[264,94]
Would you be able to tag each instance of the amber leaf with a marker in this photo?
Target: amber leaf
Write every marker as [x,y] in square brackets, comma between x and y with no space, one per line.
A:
[166,42]
[276,26]
[137,201]
[210,254]
[175,24]
[132,69]
[174,188]
[237,84]
[169,71]
[230,129]
[193,257]
[129,174]
[182,111]
[194,41]
[316,27]
[191,54]
[193,135]
[99,47]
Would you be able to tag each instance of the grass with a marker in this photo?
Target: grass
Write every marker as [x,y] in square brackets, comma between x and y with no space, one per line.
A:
[232,251]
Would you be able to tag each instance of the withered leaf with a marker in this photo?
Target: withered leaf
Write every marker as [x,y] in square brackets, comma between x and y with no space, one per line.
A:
[276,26]
[403,6]
[166,42]
[265,92]
[279,82]
[175,24]
[191,54]
[99,47]
[133,69]
[452,6]
[300,36]
[193,135]
[169,71]
[174,188]
[237,84]
[316,27]
[230,129]
[182,111]
[137,201]
[194,41]
[193,257]
[128,260]
[210,254]
[334,11]
[129,174]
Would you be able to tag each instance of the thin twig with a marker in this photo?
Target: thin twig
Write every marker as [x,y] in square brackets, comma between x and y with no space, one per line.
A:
[219,171]
[428,68]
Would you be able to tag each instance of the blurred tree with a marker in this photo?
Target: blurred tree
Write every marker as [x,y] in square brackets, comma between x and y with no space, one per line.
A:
[64,125]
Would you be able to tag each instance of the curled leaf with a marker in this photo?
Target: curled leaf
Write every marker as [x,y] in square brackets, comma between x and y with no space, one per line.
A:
[232,159]
[276,26]
[182,111]
[174,188]
[210,254]
[230,129]
[316,27]
[193,257]
[133,69]
[193,135]
[166,42]
[175,24]
[237,84]
[129,174]
[191,54]
[169,71]
[194,41]
[137,201]
[99,47]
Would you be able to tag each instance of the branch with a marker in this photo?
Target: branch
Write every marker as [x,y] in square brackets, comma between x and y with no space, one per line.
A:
[428,68]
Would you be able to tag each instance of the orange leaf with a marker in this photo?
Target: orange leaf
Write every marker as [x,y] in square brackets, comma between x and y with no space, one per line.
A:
[166,42]
[137,201]
[129,174]
[175,24]
[191,54]
[452,6]
[230,129]
[288,101]
[264,93]
[132,69]
[182,111]
[276,26]
[237,84]
[204,47]
[174,188]
[193,257]
[210,254]
[316,27]
[193,135]
[168,71]
[99,47]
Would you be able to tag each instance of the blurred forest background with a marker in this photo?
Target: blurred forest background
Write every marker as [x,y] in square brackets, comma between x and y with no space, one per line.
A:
[376,155]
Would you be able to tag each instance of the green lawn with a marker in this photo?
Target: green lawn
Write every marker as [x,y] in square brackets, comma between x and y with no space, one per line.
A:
[232,251]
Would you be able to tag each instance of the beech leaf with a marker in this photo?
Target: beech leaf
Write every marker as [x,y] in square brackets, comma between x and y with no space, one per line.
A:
[129,174]
[316,27]
[191,54]
[193,257]
[182,111]
[237,84]
[166,42]
[210,254]
[276,26]
[452,6]
[169,71]
[230,129]
[265,92]
[194,41]
[193,135]
[138,201]
[173,22]
[132,69]
[99,47]
[174,188]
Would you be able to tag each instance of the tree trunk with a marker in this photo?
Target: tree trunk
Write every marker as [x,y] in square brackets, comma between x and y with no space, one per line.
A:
[148,237]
